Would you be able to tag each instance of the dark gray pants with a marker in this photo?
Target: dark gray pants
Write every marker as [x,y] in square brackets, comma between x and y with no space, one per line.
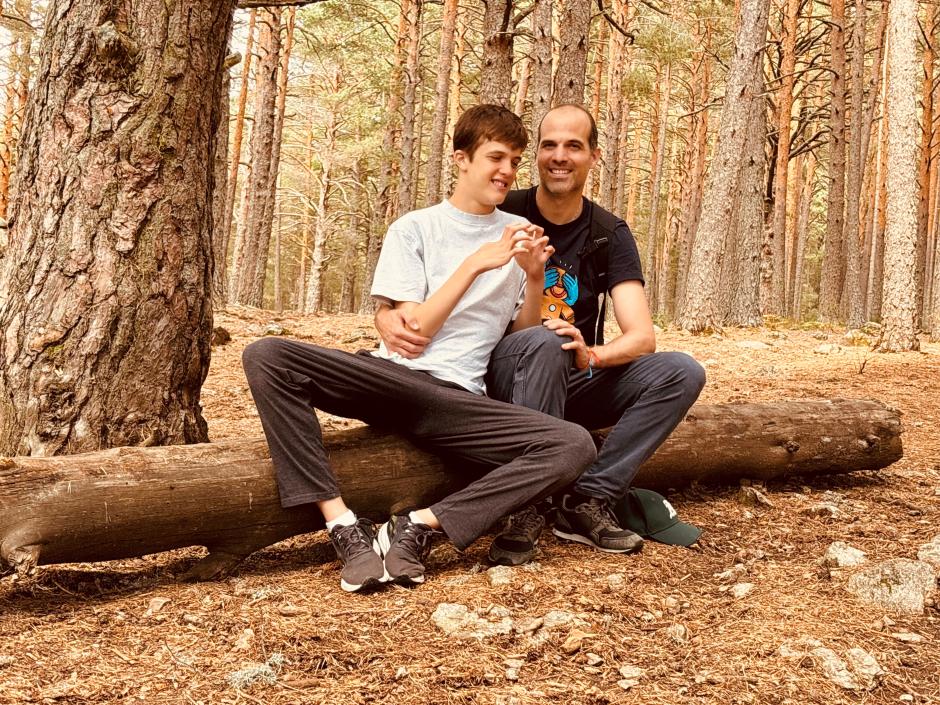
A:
[530,454]
[643,400]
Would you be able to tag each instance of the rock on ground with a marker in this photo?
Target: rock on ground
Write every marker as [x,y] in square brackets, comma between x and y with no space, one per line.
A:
[899,585]
[930,552]
[841,555]
[460,622]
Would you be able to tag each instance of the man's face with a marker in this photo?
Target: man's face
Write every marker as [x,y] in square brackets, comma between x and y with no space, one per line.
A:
[565,157]
[490,173]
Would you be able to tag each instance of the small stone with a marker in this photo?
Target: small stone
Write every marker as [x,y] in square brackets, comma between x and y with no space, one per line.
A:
[835,668]
[754,345]
[906,698]
[677,632]
[244,640]
[6,660]
[155,605]
[827,349]
[672,605]
[574,640]
[823,510]
[616,581]
[527,625]
[558,618]
[291,610]
[867,670]
[842,555]
[899,585]
[631,676]
[930,552]
[220,336]
[741,589]
[648,617]
[626,683]
[788,652]
[819,335]
[192,619]
[402,672]
[908,637]
[752,497]
[857,337]
[458,621]
[273,329]
[512,674]
[593,659]
[514,663]
[500,575]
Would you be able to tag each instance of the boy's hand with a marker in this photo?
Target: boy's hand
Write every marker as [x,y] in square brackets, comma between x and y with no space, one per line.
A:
[534,254]
[398,329]
[493,255]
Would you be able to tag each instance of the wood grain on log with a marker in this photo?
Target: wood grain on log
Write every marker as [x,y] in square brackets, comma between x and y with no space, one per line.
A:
[129,502]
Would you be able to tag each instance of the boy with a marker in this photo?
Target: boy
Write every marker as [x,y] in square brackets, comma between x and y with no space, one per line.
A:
[460,270]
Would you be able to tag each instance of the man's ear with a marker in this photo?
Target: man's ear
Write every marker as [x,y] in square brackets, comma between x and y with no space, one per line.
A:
[595,157]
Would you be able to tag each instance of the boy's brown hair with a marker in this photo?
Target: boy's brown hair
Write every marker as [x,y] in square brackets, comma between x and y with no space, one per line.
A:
[488,122]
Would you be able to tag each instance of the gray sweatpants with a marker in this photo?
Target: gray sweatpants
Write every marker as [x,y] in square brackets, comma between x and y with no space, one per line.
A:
[529,455]
[643,400]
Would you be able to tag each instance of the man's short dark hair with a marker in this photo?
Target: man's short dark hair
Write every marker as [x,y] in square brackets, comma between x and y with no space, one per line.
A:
[592,135]
[489,122]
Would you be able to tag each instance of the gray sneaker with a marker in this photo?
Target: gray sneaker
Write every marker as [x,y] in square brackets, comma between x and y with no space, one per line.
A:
[362,565]
[517,542]
[593,523]
[405,545]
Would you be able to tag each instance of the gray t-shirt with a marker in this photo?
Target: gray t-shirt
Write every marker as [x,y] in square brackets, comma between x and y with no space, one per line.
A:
[421,251]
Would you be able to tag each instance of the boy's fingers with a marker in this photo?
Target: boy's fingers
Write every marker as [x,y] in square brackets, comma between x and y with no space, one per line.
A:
[510,230]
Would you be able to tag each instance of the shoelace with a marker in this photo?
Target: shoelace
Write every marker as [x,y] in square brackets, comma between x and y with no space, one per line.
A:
[415,539]
[527,519]
[352,540]
[601,514]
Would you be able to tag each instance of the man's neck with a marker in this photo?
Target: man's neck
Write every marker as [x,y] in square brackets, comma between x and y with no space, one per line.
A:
[558,209]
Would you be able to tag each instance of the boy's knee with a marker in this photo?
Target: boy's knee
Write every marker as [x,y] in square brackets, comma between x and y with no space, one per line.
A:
[260,353]
[579,451]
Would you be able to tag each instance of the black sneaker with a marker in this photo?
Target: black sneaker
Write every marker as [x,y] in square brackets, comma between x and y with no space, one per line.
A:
[405,545]
[362,565]
[593,523]
[516,544]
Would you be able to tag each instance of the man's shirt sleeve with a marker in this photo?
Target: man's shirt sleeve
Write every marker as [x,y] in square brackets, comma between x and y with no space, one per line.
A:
[623,257]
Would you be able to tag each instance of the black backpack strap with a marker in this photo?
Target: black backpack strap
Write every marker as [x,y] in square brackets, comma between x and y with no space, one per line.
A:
[594,251]
[516,202]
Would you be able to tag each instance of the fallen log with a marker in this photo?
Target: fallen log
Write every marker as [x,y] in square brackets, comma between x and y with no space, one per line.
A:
[129,502]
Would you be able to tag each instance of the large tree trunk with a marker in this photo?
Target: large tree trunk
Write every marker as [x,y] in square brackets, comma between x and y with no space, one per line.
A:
[15,97]
[129,502]
[105,306]
[411,10]
[496,71]
[255,231]
[700,309]
[441,95]
[314,293]
[927,142]
[833,264]
[800,236]
[655,243]
[899,305]
[574,36]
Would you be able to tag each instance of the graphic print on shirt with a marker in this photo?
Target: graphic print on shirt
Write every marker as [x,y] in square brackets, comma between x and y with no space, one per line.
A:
[561,292]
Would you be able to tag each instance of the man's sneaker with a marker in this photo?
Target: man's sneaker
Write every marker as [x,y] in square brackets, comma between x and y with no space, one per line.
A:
[516,544]
[593,523]
[405,545]
[356,548]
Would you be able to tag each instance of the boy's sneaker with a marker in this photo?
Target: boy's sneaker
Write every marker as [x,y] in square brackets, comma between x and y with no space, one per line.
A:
[362,565]
[517,542]
[592,522]
[405,545]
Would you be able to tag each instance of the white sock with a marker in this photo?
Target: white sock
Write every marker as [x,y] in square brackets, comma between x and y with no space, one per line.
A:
[415,518]
[347,518]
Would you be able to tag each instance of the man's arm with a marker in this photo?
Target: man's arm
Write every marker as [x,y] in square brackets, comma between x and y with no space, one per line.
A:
[636,325]
[399,329]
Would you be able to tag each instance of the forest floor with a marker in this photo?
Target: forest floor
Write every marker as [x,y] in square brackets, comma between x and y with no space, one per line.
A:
[280,630]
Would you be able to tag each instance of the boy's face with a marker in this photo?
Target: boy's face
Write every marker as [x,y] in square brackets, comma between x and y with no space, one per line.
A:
[487,177]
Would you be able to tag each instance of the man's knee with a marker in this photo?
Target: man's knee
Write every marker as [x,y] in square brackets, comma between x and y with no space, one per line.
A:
[544,344]
[689,374]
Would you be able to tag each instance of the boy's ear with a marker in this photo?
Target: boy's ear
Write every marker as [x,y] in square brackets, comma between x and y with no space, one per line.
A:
[461,159]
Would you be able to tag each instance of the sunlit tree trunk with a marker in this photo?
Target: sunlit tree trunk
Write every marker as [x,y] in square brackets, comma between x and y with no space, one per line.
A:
[105,302]
[600,64]
[616,110]
[699,310]
[654,243]
[220,169]
[541,71]
[220,277]
[14,97]
[412,27]
[453,108]
[899,307]
[314,294]
[441,95]
[801,236]
[833,263]
[876,262]
[573,39]
[927,137]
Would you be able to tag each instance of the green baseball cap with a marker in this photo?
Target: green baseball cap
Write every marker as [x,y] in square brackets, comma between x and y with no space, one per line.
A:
[651,516]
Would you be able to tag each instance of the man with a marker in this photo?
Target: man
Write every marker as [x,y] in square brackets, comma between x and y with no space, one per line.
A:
[463,272]
[565,368]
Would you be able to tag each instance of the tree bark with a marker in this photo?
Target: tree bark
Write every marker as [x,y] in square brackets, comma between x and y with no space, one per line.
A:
[314,295]
[574,36]
[833,263]
[14,99]
[541,73]
[699,311]
[258,187]
[655,243]
[441,95]
[496,69]
[852,293]
[105,305]
[899,306]
[800,236]
[927,142]
[616,110]
[220,276]
[411,9]
[129,502]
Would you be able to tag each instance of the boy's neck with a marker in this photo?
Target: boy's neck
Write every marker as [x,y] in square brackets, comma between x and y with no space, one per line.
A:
[558,209]
[466,203]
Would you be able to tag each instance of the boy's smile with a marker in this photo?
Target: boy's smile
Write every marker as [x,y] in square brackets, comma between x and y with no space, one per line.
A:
[484,179]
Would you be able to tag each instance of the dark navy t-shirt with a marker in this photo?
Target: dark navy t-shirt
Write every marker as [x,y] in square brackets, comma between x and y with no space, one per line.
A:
[570,289]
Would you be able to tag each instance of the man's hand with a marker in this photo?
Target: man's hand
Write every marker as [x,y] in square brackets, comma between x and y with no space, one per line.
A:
[531,256]
[562,327]
[398,329]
